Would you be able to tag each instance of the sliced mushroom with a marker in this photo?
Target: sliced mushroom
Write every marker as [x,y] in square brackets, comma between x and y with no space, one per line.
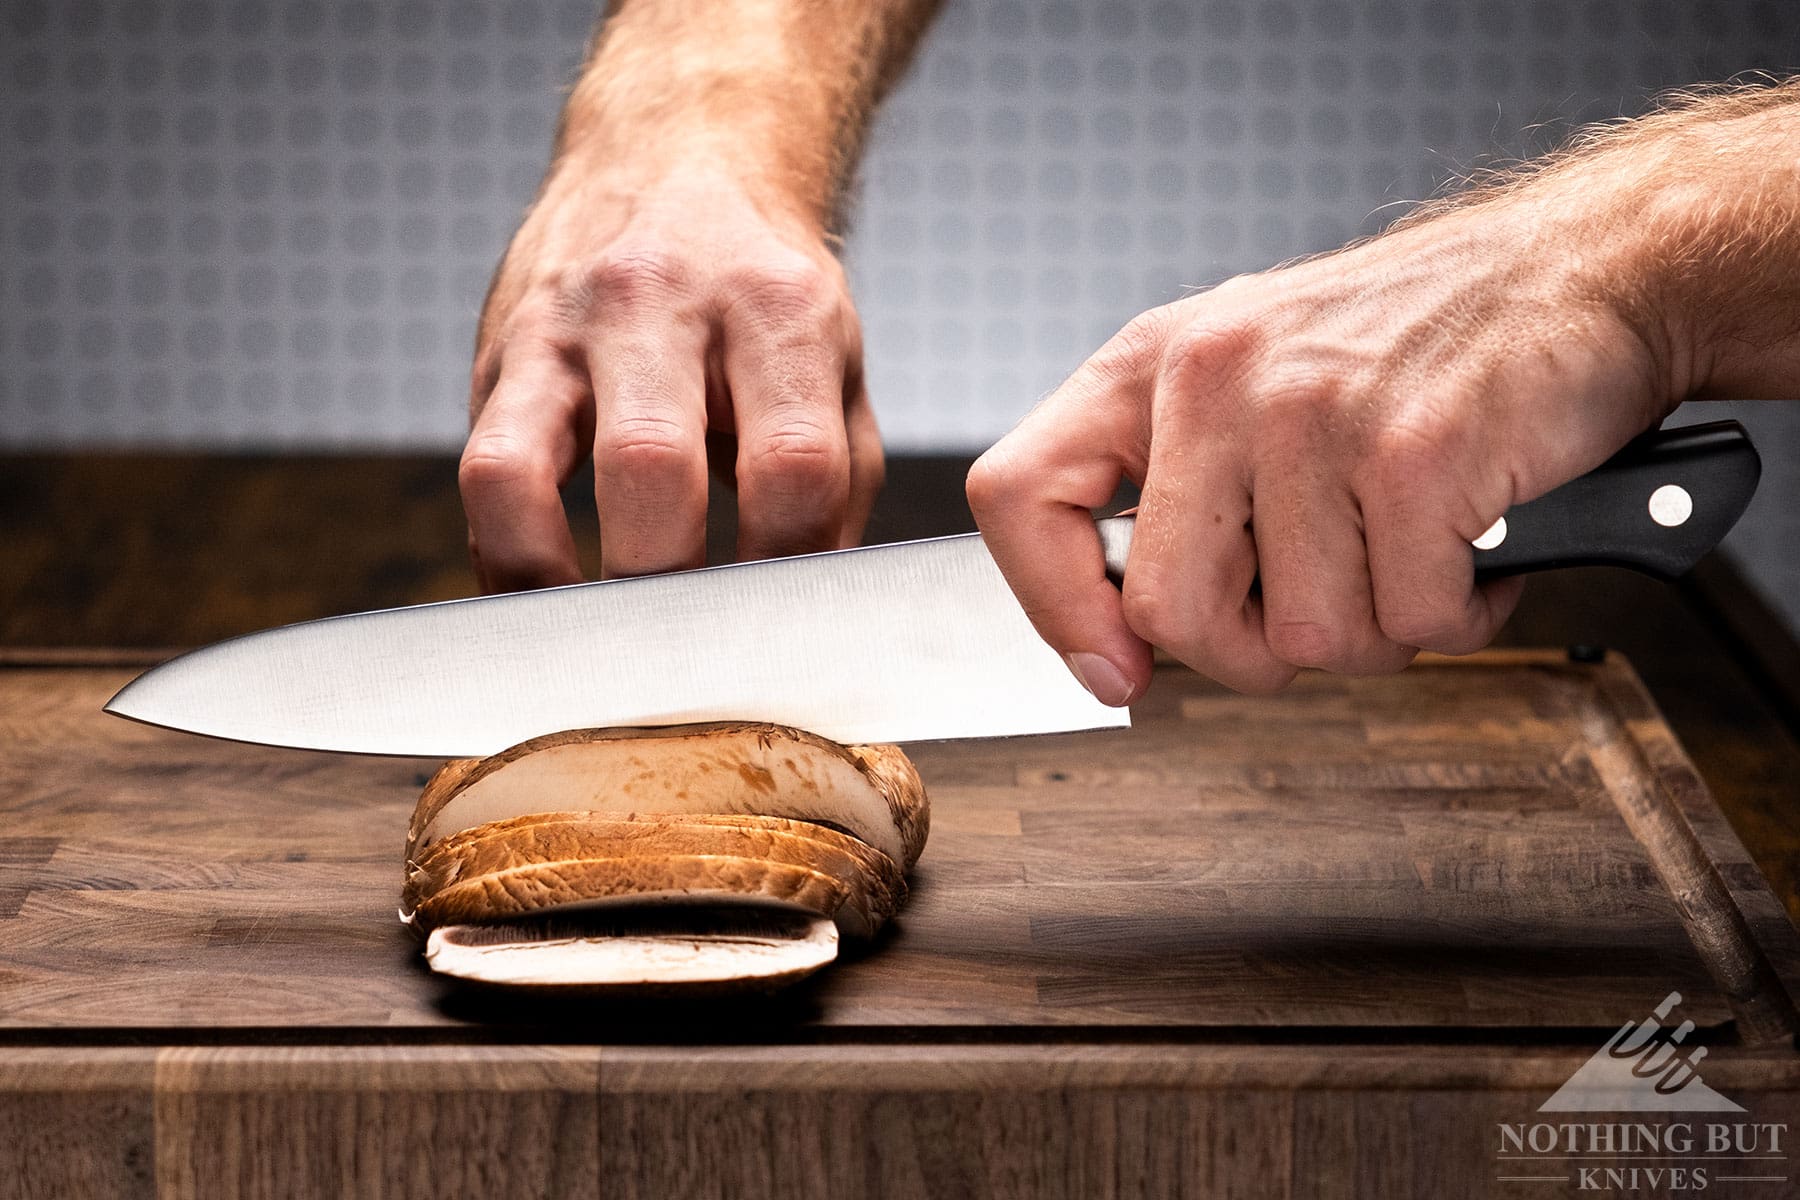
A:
[872,792]
[639,947]
[693,858]
[553,861]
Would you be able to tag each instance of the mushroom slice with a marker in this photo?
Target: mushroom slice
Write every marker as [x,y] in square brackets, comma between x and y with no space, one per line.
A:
[872,792]
[636,946]
[551,861]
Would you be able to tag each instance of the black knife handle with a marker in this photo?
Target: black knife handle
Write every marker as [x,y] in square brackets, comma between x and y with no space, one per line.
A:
[1656,506]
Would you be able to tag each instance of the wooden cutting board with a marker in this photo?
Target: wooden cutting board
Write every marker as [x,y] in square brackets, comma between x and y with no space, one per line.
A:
[1512,841]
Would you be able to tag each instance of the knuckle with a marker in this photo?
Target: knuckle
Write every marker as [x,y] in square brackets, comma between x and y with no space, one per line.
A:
[1297,431]
[1298,404]
[545,322]
[495,461]
[798,457]
[1208,350]
[791,291]
[622,277]
[1406,453]
[542,327]
[991,483]
[645,446]
[1310,643]
[1423,627]
[1153,616]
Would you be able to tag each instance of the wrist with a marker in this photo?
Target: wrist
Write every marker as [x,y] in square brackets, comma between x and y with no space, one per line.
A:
[1602,224]
[1679,229]
[1707,227]
[675,119]
[1567,246]
[679,184]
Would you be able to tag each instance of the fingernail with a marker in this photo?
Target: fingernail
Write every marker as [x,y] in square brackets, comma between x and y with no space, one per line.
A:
[1099,676]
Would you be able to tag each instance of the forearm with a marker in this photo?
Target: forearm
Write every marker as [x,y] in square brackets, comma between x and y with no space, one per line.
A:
[1686,223]
[775,92]
[1724,250]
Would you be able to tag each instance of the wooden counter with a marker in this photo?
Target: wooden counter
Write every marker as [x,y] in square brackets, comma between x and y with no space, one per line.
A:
[1319,944]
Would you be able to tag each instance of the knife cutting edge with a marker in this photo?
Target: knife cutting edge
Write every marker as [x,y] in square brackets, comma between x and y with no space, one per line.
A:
[913,641]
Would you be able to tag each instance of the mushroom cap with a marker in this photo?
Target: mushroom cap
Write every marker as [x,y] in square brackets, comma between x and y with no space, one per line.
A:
[871,792]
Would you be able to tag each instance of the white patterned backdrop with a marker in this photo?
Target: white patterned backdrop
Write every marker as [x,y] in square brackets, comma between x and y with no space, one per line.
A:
[239,224]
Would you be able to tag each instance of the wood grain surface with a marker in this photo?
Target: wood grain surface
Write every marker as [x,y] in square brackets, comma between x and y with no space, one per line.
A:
[1314,946]
[152,550]
[1442,849]
[918,1122]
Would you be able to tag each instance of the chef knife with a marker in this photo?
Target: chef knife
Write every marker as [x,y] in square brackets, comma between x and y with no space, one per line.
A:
[906,642]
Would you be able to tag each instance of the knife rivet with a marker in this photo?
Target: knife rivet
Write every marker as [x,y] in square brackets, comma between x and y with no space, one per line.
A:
[1670,505]
[1496,533]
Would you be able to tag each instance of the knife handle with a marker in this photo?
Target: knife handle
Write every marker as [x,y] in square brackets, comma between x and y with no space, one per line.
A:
[1657,506]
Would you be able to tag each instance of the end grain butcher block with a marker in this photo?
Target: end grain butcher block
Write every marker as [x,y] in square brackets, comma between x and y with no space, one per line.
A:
[1512,841]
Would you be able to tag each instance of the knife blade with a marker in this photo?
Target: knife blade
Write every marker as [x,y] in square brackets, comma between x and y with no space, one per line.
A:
[913,641]
[906,642]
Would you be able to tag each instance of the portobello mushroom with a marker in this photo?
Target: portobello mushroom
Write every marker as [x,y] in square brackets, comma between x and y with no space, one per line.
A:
[692,857]
[870,792]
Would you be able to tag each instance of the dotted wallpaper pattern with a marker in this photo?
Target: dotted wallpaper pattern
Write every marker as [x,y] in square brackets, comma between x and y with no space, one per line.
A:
[232,224]
[270,223]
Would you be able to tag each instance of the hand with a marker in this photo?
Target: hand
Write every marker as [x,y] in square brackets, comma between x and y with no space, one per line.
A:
[651,317]
[1338,431]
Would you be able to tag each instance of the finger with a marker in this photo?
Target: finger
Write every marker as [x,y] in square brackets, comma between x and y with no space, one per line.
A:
[1422,568]
[1318,603]
[868,467]
[1032,494]
[786,375]
[1193,561]
[527,438]
[650,444]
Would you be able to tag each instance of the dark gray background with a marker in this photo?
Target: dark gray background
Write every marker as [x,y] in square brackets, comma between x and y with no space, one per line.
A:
[250,225]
